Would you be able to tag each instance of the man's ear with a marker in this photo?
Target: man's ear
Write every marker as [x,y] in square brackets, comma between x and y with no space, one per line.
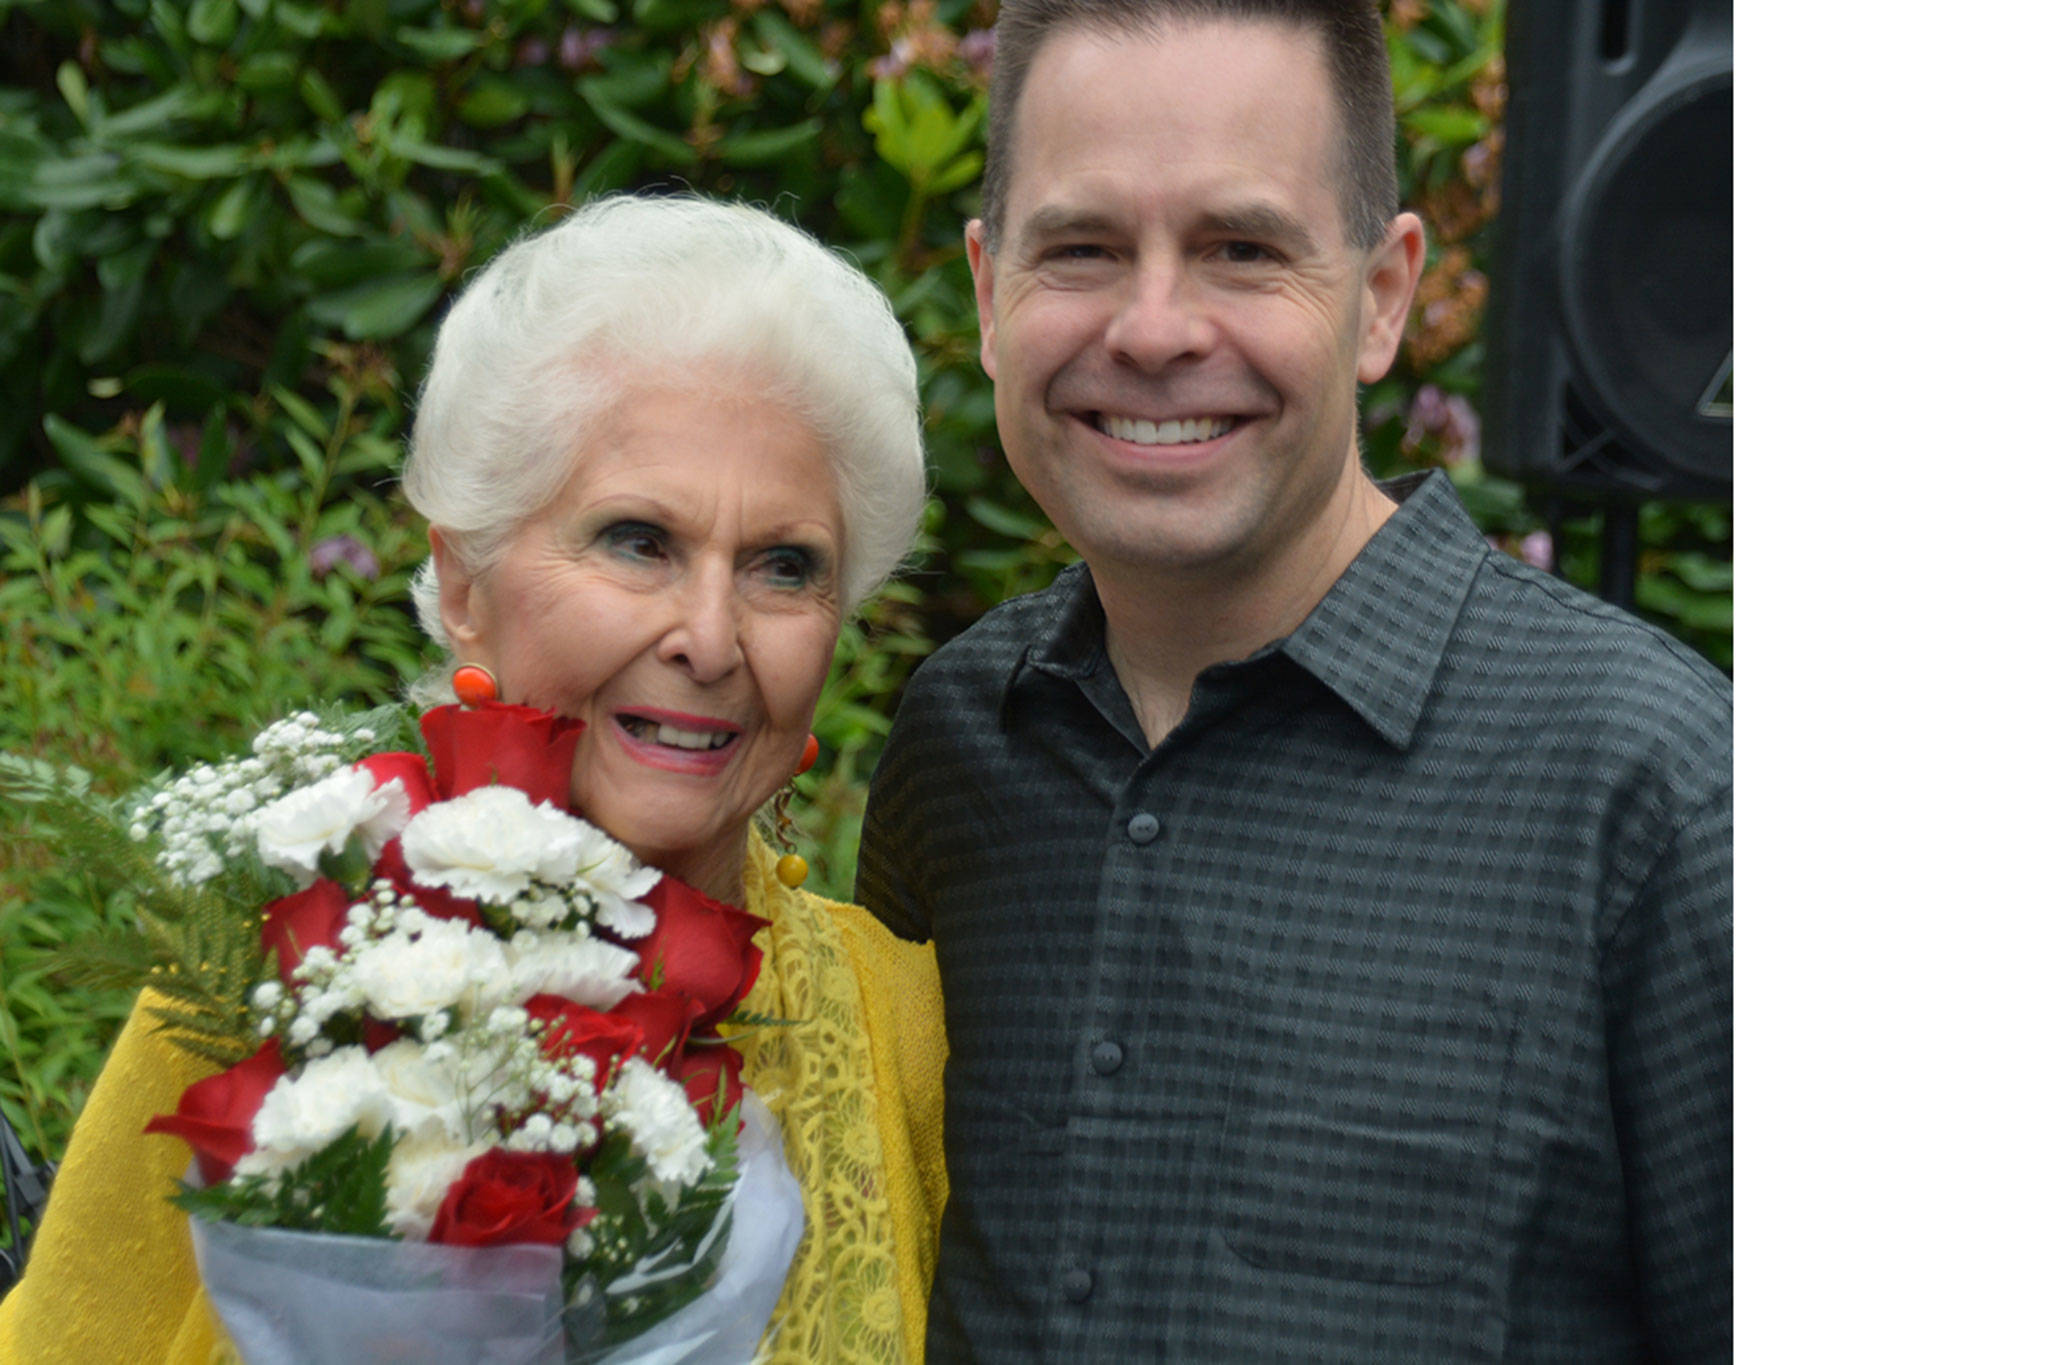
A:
[981,261]
[459,604]
[1391,274]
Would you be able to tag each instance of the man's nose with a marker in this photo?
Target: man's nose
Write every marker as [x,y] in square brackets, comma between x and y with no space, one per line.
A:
[704,635]
[1161,319]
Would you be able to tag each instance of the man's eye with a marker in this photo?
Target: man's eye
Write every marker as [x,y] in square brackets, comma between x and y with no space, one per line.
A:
[635,540]
[1076,251]
[1245,253]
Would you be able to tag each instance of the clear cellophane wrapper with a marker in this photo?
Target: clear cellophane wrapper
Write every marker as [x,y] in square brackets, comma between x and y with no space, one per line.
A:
[306,1298]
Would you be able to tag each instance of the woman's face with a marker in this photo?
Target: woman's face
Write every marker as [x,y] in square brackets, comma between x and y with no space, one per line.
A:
[681,597]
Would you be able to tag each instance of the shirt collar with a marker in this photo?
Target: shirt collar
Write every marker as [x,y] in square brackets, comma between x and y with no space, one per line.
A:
[1375,640]
[1068,642]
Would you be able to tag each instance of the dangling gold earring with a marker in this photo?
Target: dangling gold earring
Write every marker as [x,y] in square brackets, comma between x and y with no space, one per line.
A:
[791,868]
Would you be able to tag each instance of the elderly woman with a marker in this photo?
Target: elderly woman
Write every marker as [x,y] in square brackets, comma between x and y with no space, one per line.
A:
[665,447]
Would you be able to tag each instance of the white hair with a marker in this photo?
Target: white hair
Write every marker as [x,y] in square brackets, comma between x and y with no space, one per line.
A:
[622,292]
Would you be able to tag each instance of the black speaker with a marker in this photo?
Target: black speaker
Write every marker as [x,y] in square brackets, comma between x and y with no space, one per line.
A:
[1610,333]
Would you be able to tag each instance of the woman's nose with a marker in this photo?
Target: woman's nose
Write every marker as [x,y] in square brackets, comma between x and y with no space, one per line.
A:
[703,637]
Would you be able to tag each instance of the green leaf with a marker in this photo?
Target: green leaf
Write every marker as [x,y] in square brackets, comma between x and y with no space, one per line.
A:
[379,308]
[319,96]
[1451,125]
[317,203]
[213,22]
[330,263]
[231,211]
[440,158]
[87,180]
[194,163]
[80,454]
[71,85]
[798,52]
[763,146]
[441,44]
[268,71]
[632,127]
[304,415]
[1004,520]
[492,102]
[179,102]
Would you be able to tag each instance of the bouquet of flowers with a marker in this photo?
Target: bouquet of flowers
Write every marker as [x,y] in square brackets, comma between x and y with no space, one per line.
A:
[473,1100]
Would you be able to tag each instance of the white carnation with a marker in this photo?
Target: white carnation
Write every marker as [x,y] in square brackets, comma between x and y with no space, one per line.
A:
[423,1166]
[303,1113]
[491,844]
[658,1115]
[424,1091]
[439,965]
[293,831]
[616,880]
[587,970]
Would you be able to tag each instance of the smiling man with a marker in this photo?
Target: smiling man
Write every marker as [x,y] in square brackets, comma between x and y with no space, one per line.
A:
[1333,913]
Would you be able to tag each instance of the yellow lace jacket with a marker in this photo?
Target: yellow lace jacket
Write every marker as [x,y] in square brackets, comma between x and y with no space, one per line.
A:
[855,1082]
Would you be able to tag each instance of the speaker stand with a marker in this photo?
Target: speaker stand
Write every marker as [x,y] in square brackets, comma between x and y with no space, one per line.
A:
[1620,545]
[1620,528]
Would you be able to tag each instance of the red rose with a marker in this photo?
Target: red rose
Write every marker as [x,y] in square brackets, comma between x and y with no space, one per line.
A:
[706,1071]
[214,1114]
[664,1021]
[505,1197]
[604,1038]
[699,947]
[507,746]
[312,918]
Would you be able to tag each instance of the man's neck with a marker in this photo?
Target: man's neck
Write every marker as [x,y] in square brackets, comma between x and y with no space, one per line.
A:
[1162,628]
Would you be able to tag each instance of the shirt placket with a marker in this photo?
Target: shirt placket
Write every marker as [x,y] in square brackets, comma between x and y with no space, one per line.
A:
[1088,1276]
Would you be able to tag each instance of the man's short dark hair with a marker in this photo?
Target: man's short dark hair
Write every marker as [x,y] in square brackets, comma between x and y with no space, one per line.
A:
[1354,49]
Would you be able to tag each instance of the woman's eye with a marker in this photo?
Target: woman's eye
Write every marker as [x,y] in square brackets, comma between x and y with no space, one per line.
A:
[790,566]
[635,540]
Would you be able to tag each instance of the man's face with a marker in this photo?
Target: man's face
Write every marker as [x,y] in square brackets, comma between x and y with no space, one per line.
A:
[1174,321]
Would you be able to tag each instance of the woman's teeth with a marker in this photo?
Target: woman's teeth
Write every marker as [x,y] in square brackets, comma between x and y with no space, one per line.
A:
[1185,431]
[642,728]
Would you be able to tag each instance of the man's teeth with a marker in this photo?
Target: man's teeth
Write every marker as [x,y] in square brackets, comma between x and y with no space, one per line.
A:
[1141,432]
[675,738]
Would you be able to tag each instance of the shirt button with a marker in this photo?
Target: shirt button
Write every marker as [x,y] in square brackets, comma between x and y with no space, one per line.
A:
[1106,1057]
[1144,827]
[1077,1284]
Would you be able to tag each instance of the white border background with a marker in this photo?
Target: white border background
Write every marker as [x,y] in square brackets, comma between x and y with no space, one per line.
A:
[1893,520]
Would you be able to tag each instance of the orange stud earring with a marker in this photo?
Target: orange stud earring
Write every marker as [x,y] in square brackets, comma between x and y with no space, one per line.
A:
[474,685]
[803,765]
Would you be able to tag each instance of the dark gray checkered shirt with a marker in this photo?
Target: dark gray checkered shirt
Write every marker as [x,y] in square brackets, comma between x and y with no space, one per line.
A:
[1381,1013]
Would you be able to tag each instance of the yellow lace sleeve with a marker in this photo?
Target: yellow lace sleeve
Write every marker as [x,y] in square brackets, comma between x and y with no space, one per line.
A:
[855,1083]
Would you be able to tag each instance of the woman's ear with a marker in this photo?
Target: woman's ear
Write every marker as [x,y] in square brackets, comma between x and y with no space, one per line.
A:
[459,605]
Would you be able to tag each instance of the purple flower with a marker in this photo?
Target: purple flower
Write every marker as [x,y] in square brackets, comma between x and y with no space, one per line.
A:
[1428,412]
[1537,550]
[1461,431]
[978,49]
[336,550]
[579,47]
[895,63]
